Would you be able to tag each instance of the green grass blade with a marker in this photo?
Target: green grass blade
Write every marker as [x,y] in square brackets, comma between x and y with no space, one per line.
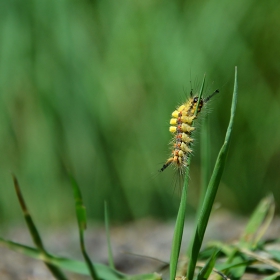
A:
[272,277]
[103,271]
[179,226]
[205,171]
[234,263]
[208,268]
[68,264]
[178,231]
[237,271]
[56,272]
[260,258]
[107,226]
[149,276]
[81,218]
[256,227]
[205,159]
[212,189]
[226,249]
[275,254]
[258,223]
[30,224]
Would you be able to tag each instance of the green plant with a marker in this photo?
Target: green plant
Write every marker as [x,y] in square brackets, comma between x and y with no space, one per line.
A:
[237,257]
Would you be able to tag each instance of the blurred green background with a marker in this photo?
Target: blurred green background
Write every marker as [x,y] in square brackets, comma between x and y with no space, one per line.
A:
[90,86]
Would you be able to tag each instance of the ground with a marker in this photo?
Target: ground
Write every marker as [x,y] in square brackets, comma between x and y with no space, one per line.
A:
[146,237]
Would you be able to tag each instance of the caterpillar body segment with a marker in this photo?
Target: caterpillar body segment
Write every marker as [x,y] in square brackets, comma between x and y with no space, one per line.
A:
[181,119]
[183,137]
[182,128]
[182,146]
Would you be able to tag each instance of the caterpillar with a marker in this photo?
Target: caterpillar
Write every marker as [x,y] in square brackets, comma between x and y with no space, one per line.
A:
[182,128]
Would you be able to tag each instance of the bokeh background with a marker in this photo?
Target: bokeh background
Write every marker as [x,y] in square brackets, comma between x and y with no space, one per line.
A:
[89,86]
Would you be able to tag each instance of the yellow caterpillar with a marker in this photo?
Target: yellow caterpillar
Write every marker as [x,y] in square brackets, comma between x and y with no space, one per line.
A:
[182,127]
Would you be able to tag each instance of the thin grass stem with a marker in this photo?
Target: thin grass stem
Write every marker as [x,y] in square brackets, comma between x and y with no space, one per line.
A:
[56,272]
[212,189]
[180,221]
[81,218]
[107,226]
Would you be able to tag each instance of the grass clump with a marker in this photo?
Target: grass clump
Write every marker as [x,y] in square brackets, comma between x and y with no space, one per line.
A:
[250,253]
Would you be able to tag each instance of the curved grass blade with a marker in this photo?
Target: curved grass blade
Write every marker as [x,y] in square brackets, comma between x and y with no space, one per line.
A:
[258,223]
[205,159]
[154,276]
[205,156]
[260,258]
[178,232]
[56,272]
[179,226]
[275,254]
[81,218]
[208,268]
[212,189]
[235,263]
[104,271]
[255,229]
[275,276]
[110,253]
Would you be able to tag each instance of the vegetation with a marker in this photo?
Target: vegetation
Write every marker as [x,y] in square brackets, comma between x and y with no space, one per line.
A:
[223,259]
[90,85]
[87,88]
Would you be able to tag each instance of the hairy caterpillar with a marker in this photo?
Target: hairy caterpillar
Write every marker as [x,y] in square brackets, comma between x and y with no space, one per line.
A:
[182,128]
